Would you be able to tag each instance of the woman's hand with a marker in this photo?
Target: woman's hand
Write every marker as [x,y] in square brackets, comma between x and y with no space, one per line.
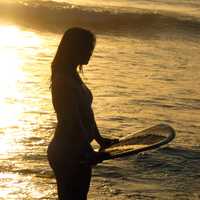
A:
[93,158]
[106,142]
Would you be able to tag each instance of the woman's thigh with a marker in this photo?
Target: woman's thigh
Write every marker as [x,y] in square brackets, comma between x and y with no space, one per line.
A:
[73,182]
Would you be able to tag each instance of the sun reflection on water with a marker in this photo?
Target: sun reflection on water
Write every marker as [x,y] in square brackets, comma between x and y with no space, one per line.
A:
[13,45]
[13,41]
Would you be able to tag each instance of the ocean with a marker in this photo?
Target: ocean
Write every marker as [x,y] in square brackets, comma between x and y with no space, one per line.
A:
[145,70]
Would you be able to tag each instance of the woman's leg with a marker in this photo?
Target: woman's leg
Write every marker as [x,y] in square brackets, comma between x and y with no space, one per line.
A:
[73,183]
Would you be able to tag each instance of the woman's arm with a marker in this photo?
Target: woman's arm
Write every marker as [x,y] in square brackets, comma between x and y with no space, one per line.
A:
[103,142]
[97,135]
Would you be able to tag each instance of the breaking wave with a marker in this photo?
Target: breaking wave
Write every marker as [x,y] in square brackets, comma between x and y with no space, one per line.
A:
[54,16]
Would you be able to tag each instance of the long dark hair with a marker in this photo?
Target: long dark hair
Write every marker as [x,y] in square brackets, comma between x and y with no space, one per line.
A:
[75,46]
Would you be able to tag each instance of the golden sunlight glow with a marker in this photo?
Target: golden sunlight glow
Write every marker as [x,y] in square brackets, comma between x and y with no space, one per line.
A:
[13,45]
[13,36]
[7,144]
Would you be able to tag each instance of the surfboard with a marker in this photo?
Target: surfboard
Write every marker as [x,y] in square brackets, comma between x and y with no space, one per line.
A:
[148,139]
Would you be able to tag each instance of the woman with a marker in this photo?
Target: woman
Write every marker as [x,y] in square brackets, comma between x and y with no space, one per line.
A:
[70,154]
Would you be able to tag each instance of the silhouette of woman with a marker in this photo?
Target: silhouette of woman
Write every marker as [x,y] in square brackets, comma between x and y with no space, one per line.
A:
[70,154]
